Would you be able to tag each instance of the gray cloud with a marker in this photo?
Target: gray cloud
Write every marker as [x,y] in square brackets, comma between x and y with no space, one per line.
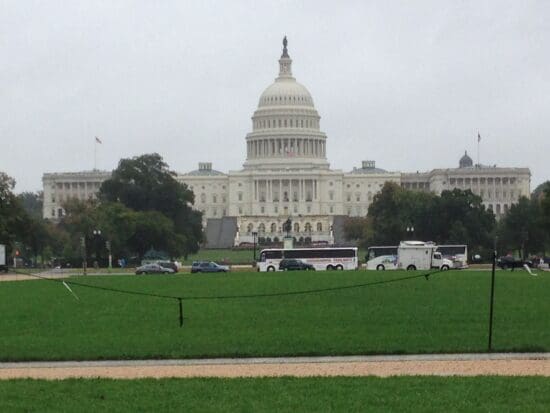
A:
[408,84]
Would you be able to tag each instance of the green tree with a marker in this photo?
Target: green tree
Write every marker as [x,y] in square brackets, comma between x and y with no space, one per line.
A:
[454,217]
[523,228]
[14,220]
[145,184]
[32,202]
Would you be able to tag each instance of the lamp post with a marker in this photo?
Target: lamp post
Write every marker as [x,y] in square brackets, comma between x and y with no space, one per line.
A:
[410,230]
[254,235]
[84,257]
[97,235]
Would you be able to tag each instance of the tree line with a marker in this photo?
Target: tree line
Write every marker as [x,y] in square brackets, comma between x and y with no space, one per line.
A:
[141,207]
[454,217]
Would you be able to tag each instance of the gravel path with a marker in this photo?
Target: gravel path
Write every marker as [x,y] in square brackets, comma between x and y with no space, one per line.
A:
[505,364]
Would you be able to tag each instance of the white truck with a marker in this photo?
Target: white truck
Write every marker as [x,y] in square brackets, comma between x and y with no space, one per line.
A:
[3,263]
[419,255]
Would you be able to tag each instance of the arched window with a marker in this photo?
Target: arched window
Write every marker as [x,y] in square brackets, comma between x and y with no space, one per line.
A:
[261,227]
[273,227]
[319,227]
[249,227]
[296,227]
[307,227]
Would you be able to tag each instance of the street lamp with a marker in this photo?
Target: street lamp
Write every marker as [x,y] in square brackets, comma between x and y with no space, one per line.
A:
[254,235]
[410,230]
[97,235]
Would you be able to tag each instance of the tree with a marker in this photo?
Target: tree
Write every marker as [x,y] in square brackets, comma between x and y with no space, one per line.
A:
[14,220]
[32,202]
[454,217]
[523,227]
[145,184]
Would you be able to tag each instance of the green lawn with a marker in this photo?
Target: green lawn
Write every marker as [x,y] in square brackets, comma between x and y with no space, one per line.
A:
[448,313]
[341,394]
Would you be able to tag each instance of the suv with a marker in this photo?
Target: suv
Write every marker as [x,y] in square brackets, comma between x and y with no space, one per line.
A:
[288,264]
[510,262]
[208,266]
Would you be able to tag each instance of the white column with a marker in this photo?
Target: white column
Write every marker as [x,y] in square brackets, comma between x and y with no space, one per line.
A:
[290,197]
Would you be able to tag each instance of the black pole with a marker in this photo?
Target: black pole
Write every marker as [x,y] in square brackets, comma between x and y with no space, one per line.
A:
[491,304]
[254,238]
[181,312]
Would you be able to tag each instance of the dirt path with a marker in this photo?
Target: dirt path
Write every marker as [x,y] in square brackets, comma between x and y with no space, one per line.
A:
[382,366]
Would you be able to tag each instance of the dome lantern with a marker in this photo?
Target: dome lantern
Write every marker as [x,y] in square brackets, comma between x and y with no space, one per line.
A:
[285,62]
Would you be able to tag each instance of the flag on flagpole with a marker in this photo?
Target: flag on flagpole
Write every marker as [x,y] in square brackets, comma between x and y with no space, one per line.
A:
[98,140]
[478,137]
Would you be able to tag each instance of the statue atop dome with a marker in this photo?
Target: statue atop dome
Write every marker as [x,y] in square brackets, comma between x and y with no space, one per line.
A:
[285,51]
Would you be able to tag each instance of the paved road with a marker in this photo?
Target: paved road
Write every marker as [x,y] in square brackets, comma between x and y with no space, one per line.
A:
[508,364]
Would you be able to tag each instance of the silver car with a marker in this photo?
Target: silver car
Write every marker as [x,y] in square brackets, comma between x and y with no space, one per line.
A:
[153,269]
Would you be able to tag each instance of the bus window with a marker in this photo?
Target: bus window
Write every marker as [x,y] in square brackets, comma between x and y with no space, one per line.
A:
[262,257]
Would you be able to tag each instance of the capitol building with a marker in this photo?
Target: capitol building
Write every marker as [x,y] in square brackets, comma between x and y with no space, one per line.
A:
[286,174]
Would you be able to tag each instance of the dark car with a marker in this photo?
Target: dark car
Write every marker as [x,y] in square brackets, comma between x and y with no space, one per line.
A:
[208,266]
[510,262]
[153,269]
[289,264]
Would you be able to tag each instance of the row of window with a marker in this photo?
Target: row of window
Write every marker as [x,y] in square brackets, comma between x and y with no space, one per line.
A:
[274,228]
[214,198]
[286,123]
[498,209]
[75,185]
[287,99]
[482,180]
[285,210]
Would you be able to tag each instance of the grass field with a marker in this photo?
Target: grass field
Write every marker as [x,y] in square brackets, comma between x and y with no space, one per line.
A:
[342,394]
[448,313]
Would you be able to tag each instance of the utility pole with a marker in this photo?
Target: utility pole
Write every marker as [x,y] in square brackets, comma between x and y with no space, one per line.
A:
[490,346]
[83,251]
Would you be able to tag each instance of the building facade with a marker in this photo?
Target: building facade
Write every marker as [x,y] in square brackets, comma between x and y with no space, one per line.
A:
[286,174]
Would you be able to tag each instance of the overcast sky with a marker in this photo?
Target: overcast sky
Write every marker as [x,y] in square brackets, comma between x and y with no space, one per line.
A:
[408,84]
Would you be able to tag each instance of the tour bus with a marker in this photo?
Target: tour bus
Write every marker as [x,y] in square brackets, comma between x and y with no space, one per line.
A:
[458,254]
[320,258]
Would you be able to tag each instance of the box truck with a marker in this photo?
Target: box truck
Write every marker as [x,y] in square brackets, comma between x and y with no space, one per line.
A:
[419,255]
[3,262]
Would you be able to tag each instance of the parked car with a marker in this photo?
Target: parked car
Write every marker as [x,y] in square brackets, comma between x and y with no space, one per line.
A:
[289,264]
[168,264]
[153,269]
[208,266]
[383,262]
[508,261]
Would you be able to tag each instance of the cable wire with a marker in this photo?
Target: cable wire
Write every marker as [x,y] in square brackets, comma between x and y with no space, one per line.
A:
[238,296]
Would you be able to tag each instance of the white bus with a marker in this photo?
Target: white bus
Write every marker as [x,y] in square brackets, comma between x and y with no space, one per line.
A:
[320,258]
[458,254]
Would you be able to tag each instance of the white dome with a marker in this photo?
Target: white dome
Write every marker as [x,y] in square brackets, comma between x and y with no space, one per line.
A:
[286,92]
[285,126]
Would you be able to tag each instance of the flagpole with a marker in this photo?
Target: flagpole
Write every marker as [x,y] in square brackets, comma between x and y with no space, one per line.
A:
[95,153]
[478,139]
